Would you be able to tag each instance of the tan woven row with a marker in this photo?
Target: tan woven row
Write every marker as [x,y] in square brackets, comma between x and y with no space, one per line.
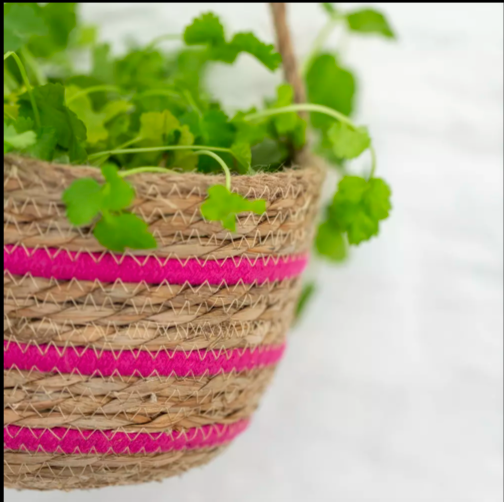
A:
[126,315]
[34,214]
[130,404]
[52,471]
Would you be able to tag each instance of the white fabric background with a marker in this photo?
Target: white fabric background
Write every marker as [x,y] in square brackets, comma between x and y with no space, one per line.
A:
[391,389]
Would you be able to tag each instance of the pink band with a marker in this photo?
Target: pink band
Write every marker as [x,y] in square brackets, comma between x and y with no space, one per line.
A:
[73,441]
[107,267]
[88,361]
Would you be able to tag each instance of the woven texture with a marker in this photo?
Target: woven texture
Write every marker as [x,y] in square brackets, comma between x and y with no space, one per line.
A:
[129,373]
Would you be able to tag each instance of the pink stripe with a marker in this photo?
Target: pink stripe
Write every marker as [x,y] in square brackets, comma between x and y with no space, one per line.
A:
[86,361]
[61,440]
[107,267]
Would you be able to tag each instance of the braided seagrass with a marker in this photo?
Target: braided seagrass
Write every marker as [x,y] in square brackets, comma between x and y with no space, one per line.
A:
[111,382]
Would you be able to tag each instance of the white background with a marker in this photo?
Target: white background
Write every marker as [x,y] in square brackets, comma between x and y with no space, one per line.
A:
[391,389]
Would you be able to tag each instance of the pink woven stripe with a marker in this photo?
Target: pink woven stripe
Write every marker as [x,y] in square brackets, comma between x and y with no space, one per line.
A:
[86,361]
[61,440]
[107,267]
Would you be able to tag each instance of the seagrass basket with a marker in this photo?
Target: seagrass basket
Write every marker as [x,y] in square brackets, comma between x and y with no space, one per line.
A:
[132,368]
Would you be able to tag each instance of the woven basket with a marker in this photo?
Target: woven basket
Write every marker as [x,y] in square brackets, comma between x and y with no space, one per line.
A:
[125,369]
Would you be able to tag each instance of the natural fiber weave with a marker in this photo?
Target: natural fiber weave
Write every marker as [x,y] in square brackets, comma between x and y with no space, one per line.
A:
[125,317]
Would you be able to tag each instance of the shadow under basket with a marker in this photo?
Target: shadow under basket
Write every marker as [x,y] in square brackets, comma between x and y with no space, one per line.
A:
[122,369]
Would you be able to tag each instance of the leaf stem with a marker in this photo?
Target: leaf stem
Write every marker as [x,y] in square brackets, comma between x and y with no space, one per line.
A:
[224,166]
[159,149]
[89,90]
[161,38]
[318,44]
[144,169]
[373,161]
[32,63]
[24,76]
[308,107]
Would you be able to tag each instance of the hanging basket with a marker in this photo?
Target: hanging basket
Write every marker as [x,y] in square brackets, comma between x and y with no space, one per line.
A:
[132,368]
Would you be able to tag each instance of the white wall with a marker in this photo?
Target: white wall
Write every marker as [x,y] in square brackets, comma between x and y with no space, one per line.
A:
[391,390]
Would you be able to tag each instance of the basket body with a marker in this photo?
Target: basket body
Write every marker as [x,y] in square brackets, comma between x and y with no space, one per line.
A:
[132,368]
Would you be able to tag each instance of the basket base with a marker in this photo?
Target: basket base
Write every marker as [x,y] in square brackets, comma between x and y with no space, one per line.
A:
[47,471]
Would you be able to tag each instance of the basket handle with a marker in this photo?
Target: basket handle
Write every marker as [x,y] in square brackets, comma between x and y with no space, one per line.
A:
[286,50]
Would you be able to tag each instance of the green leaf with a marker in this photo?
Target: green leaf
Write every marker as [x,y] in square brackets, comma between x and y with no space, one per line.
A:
[330,85]
[61,19]
[358,206]
[185,159]
[369,21]
[102,65]
[117,192]
[286,122]
[216,129]
[304,298]
[118,232]
[83,201]
[330,242]
[83,108]
[222,205]
[330,8]
[242,153]
[265,53]
[45,145]
[154,126]
[21,22]
[70,130]
[17,141]
[205,29]
[347,142]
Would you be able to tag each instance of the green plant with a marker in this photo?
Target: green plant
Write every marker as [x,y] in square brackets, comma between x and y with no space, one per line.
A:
[148,111]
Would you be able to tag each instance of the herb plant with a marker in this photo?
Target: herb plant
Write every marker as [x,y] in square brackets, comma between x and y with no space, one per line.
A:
[148,111]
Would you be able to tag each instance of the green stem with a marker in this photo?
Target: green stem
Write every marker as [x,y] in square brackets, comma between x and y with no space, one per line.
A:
[373,161]
[319,43]
[224,166]
[159,92]
[100,161]
[89,90]
[158,149]
[303,107]
[9,115]
[24,76]
[161,38]
[33,65]
[144,169]
[192,103]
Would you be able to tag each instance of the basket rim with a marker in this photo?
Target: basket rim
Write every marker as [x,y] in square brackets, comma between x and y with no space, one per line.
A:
[308,163]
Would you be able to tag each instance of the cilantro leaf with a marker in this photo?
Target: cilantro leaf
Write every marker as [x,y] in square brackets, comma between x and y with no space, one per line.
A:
[154,126]
[265,53]
[185,159]
[83,108]
[21,22]
[46,144]
[17,141]
[369,21]
[205,29]
[306,294]
[286,122]
[60,19]
[208,30]
[117,192]
[216,129]
[242,153]
[125,230]
[328,84]
[222,205]
[70,130]
[358,206]
[347,142]
[330,242]
[83,199]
